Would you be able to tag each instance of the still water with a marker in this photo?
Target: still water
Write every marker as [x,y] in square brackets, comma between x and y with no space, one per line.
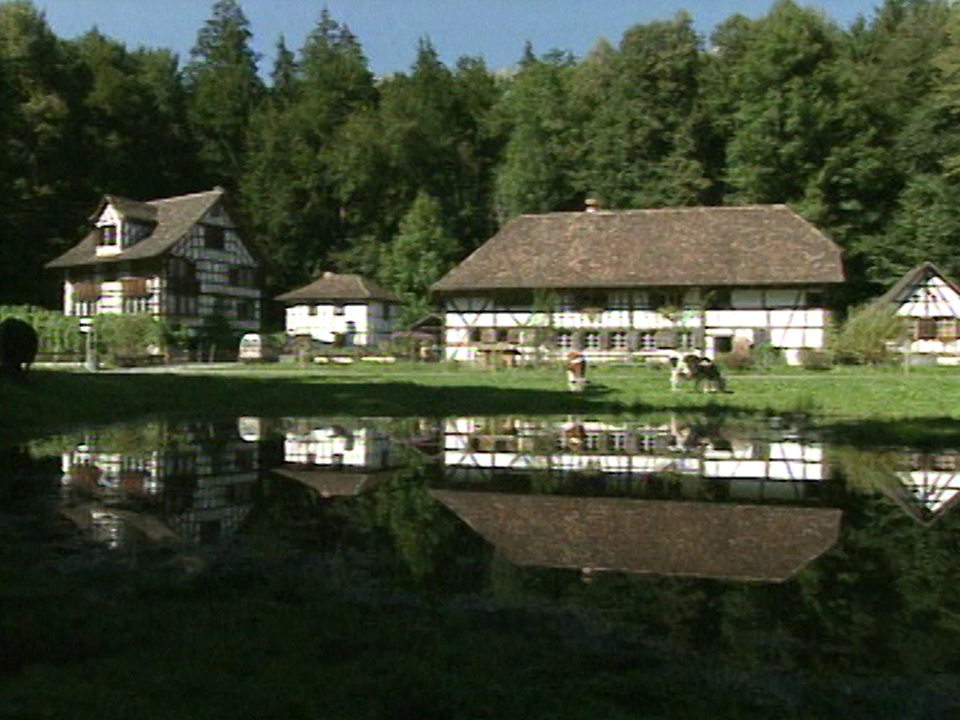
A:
[756,537]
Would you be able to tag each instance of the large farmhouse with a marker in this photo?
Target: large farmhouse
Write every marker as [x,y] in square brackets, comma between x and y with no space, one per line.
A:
[341,307]
[179,258]
[930,301]
[636,283]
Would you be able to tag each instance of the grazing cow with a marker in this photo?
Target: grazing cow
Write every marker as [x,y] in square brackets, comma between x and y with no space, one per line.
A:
[703,371]
[576,372]
[18,346]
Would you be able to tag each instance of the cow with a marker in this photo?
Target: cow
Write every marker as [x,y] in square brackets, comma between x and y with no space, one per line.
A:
[18,346]
[701,370]
[576,372]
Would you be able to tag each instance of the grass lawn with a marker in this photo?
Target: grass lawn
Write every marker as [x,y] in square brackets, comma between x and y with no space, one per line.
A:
[928,400]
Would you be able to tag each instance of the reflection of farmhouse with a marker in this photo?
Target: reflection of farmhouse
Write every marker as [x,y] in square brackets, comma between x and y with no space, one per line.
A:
[336,458]
[186,483]
[696,457]
[930,484]
[722,541]
[633,283]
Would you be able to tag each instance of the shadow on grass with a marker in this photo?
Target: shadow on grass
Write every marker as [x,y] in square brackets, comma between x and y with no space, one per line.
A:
[49,401]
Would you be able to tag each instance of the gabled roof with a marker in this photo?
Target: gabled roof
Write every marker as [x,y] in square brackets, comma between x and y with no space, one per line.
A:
[734,246]
[705,540]
[336,287]
[902,289]
[173,217]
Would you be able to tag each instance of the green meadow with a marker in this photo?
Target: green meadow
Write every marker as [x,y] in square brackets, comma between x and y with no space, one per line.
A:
[922,403]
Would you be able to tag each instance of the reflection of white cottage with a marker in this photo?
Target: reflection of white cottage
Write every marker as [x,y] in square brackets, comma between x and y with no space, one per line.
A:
[634,283]
[930,483]
[931,302]
[341,307]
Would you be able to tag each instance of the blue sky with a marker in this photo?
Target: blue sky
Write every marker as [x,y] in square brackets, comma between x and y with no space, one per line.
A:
[390,29]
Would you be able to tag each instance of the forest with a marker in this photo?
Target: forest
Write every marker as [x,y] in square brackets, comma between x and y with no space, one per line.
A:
[399,177]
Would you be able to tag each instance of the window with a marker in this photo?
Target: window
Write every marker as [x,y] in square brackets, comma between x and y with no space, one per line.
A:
[618,340]
[565,340]
[110,235]
[245,310]
[242,277]
[592,341]
[213,237]
[947,329]
[723,344]
[814,299]
[926,329]
[685,340]
[666,299]
[720,299]
[647,340]
[339,310]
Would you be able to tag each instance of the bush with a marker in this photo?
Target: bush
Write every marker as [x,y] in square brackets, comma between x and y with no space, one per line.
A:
[816,359]
[871,335]
[736,360]
[124,337]
[59,334]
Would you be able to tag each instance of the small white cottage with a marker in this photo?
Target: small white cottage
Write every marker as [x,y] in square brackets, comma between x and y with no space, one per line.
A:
[341,308]
[931,301]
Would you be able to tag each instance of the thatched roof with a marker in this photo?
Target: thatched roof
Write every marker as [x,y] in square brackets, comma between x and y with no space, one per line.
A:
[733,246]
[334,287]
[172,219]
[707,540]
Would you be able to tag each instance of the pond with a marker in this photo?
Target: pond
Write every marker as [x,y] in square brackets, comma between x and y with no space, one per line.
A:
[761,545]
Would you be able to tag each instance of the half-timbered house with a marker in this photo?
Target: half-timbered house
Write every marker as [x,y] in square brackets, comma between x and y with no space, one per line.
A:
[341,308]
[179,258]
[931,302]
[636,283]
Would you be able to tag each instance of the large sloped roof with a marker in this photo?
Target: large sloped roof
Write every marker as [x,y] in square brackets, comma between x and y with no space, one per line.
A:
[338,287]
[748,245]
[705,540]
[173,218]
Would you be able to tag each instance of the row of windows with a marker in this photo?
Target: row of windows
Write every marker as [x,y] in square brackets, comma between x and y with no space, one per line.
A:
[946,329]
[617,340]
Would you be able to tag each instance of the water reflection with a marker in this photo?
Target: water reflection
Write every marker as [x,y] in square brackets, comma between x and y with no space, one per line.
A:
[700,495]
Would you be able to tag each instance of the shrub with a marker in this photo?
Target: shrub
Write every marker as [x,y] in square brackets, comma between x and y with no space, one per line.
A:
[736,360]
[871,334]
[816,359]
[123,337]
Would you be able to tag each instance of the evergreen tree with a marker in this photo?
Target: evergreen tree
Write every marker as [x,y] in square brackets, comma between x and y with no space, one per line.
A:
[637,148]
[223,90]
[421,253]
[536,172]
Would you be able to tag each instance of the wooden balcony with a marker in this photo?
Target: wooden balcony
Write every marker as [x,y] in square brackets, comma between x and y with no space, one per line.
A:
[133,287]
[87,291]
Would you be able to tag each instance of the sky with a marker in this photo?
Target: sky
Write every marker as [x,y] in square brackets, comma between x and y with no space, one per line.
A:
[389,30]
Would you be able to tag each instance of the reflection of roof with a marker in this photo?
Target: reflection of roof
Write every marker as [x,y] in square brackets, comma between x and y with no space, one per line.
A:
[330,482]
[722,541]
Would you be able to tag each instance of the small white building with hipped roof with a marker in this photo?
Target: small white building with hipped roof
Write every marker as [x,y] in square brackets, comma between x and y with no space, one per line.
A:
[341,309]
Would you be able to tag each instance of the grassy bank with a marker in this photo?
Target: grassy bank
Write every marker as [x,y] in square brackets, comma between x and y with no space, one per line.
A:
[49,400]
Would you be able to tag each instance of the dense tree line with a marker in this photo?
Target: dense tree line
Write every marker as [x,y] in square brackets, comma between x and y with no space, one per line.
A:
[399,177]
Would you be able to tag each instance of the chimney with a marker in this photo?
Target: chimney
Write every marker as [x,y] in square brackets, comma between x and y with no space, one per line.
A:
[592,205]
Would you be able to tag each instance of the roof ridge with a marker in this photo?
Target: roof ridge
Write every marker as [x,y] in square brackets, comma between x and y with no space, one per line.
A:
[213,191]
[638,211]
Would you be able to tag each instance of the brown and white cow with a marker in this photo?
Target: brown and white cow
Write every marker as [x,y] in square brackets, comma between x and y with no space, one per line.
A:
[701,370]
[576,372]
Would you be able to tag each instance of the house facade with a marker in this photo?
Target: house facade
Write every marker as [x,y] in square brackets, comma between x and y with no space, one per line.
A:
[341,308]
[631,284]
[178,258]
[931,303]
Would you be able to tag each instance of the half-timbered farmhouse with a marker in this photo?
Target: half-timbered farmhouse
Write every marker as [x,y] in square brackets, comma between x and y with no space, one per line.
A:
[341,307]
[636,283]
[180,258]
[931,302]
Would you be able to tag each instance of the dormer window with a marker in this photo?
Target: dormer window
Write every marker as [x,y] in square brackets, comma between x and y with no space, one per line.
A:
[213,237]
[110,236]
